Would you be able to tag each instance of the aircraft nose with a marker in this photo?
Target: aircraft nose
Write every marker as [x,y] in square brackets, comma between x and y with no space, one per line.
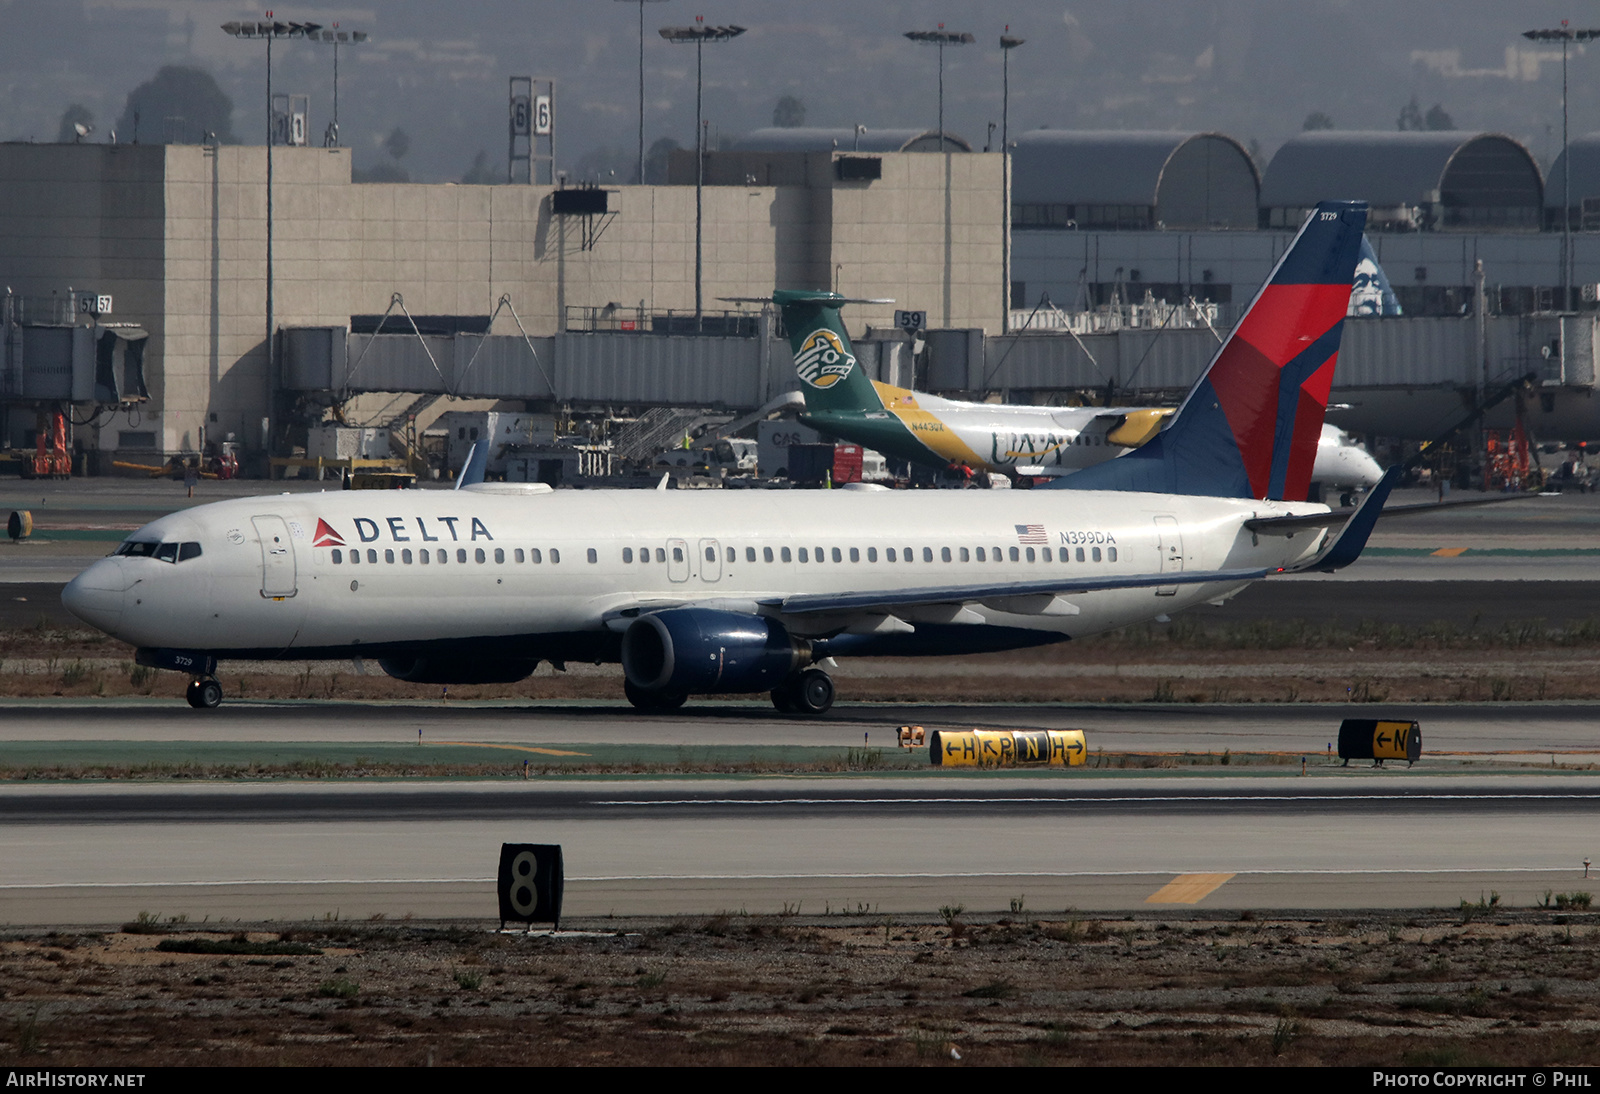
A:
[1368,468]
[96,595]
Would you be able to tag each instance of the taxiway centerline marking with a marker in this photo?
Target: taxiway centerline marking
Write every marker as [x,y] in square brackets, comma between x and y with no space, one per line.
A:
[1118,800]
[1188,889]
[777,877]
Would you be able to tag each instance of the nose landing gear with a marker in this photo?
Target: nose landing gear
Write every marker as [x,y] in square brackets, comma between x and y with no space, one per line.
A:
[204,693]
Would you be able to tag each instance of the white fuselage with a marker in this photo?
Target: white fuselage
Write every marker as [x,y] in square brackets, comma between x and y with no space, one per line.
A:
[270,579]
[1005,436]
[1342,463]
[1060,440]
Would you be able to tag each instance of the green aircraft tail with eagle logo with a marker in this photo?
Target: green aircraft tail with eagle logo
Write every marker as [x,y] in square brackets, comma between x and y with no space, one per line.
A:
[843,400]
[823,359]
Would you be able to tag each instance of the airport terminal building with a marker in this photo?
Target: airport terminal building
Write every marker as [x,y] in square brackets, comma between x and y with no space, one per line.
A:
[592,292]
[1440,202]
[176,237]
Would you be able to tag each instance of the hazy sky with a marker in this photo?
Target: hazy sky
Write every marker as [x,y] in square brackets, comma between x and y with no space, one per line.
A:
[1250,68]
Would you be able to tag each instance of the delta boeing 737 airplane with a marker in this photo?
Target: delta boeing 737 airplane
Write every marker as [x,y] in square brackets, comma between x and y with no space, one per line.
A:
[710,592]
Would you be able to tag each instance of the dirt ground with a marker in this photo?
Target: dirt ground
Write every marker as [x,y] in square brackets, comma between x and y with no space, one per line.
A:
[1478,985]
[1186,661]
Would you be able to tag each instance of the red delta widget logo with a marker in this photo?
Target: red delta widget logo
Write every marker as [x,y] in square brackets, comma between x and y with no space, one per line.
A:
[369,530]
[326,536]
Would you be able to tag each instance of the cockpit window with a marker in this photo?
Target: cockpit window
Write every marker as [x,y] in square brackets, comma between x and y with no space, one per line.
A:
[165,552]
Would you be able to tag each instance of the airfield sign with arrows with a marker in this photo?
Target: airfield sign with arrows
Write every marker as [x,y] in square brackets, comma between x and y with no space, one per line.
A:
[1370,739]
[1007,748]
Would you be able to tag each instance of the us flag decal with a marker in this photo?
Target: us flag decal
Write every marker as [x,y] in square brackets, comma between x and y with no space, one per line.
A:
[1031,533]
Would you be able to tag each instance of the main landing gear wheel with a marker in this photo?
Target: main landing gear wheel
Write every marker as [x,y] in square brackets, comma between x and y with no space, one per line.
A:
[784,698]
[204,693]
[815,693]
[809,693]
[650,701]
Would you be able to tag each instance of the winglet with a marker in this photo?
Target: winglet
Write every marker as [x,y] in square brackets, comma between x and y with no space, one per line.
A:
[1352,538]
[476,465]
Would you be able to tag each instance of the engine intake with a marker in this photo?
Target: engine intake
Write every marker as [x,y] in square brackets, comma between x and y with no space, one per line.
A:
[703,651]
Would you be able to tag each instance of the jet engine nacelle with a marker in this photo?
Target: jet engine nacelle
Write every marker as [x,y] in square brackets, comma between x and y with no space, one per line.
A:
[435,669]
[700,651]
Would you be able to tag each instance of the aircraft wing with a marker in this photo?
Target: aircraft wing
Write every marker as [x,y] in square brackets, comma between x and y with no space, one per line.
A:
[1024,597]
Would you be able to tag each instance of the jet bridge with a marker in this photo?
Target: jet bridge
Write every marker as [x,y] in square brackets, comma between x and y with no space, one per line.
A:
[602,368]
[1402,377]
[61,353]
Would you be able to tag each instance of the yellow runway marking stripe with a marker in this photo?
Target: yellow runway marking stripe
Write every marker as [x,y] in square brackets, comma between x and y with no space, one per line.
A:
[1449,552]
[513,748]
[1188,889]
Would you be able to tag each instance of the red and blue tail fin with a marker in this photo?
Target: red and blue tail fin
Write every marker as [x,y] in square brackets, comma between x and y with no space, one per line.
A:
[1249,427]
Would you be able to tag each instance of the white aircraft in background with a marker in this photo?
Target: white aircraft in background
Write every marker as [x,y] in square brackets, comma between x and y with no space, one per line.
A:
[1012,438]
[699,592]
[1342,466]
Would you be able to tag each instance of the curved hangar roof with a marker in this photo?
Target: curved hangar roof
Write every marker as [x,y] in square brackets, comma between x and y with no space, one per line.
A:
[1064,178]
[815,139]
[1584,152]
[1450,179]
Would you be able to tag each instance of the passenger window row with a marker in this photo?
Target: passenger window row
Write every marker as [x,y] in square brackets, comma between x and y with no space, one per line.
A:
[424,557]
[406,557]
[890,554]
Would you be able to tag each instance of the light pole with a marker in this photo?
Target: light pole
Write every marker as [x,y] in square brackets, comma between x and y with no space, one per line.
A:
[1565,34]
[641,4]
[338,38]
[1007,44]
[941,38]
[267,32]
[699,34]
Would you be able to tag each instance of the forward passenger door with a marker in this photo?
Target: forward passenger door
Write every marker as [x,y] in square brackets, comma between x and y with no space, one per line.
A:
[278,580]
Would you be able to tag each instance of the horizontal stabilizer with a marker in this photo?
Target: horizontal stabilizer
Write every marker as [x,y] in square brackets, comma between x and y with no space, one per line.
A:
[1288,526]
[792,296]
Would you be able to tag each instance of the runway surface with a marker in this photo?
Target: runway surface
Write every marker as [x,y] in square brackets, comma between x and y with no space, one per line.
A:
[78,853]
[1527,731]
[697,846]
